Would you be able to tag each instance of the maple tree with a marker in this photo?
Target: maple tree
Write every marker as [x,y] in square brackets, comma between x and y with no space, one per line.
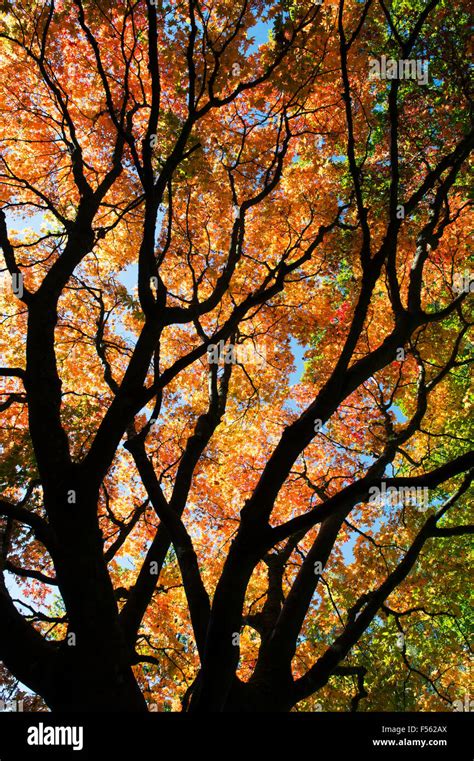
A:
[184,526]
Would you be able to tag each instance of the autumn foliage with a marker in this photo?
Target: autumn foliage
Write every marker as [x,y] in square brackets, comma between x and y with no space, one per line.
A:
[196,199]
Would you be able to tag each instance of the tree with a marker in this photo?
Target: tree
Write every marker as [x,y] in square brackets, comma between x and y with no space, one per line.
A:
[182,205]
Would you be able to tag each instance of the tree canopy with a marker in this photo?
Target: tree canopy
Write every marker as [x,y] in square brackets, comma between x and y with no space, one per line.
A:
[236,439]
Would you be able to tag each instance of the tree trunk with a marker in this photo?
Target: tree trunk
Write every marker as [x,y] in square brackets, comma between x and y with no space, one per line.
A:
[94,670]
[82,686]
